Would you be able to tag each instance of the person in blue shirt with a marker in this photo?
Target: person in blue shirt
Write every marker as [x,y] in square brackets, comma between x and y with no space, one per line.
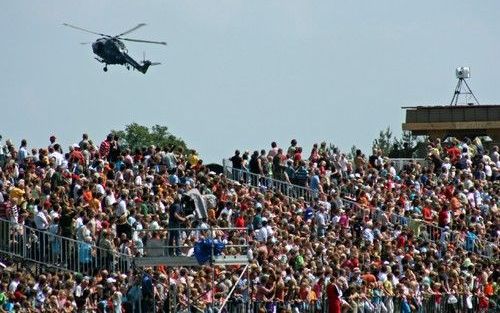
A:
[309,213]
[405,305]
[315,184]
[85,255]
[470,240]
[173,179]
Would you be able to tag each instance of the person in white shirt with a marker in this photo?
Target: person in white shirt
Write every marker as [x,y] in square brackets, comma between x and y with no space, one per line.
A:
[269,228]
[99,188]
[110,198]
[368,235]
[23,152]
[42,220]
[261,233]
[227,211]
[15,282]
[321,222]
[58,157]
[122,205]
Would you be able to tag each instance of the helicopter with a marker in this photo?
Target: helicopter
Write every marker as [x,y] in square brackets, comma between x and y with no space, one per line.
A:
[111,49]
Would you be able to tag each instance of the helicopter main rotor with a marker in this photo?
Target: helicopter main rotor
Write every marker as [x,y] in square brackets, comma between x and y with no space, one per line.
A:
[119,35]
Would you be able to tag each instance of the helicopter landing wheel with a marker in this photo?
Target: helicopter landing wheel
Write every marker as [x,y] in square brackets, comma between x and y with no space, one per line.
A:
[128,67]
[105,69]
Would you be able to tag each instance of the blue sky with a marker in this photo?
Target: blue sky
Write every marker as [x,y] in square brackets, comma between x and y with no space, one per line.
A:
[240,74]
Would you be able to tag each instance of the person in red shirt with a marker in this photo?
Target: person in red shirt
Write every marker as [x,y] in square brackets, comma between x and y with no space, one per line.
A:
[297,157]
[427,213]
[334,294]
[77,155]
[239,221]
[444,217]
[454,154]
[105,147]
[401,240]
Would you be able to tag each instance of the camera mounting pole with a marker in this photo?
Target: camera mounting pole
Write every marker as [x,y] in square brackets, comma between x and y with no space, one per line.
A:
[462,74]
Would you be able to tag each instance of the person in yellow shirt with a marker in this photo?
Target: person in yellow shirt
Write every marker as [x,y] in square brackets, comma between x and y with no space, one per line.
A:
[193,158]
[16,194]
[388,289]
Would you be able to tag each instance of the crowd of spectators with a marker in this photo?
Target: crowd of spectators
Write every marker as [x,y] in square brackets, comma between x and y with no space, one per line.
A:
[341,244]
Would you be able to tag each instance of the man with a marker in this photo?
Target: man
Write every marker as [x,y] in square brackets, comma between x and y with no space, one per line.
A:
[289,173]
[84,143]
[23,152]
[291,150]
[237,164]
[175,219]
[5,209]
[320,221]
[302,175]
[53,144]
[315,185]
[122,205]
[115,149]
[277,167]
[255,167]
[76,155]
[105,147]
[273,151]
[42,222]
[56,155]
[495,156]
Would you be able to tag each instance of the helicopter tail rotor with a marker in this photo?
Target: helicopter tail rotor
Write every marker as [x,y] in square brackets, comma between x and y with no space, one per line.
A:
[146,64]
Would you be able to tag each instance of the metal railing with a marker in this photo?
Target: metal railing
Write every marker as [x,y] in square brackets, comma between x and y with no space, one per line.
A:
[51,250]
[399,163]
[480,246]
[427,231]
[178,241]
[442,303]
[268,183]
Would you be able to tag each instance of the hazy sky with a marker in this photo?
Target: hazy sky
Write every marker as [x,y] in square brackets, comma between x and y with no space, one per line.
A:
[240,74]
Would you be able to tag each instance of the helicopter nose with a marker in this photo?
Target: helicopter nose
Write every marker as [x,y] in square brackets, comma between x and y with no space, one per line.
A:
[97,47]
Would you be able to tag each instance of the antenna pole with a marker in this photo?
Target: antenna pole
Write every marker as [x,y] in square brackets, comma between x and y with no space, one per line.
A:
[457,92]
[470,91]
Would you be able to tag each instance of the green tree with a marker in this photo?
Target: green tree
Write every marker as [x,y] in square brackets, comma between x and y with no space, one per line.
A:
[408,146]
[384,141]
[136,136]
[352,153]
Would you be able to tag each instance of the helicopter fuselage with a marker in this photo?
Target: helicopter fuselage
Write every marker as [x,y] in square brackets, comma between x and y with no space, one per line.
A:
[110,50]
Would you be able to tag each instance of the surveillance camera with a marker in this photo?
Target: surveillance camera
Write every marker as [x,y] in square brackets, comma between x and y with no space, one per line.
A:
[462,72]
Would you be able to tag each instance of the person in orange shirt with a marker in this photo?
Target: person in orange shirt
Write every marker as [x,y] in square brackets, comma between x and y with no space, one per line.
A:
[363,199]
[488,288]
[369,278]
[87,194]
[95,203]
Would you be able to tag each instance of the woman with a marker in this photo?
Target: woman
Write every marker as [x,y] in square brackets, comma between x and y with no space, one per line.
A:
[333,294]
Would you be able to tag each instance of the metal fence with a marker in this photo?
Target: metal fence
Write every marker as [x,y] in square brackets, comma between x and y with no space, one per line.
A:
[51,250]
[179,241]
[430,304]
[399,163]
[267,182]
[445,303]
[430,231]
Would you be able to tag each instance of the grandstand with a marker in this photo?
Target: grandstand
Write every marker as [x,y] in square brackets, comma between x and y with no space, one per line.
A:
[151,231]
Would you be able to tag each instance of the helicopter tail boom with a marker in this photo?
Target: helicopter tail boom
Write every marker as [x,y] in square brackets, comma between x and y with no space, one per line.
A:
[143,68]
